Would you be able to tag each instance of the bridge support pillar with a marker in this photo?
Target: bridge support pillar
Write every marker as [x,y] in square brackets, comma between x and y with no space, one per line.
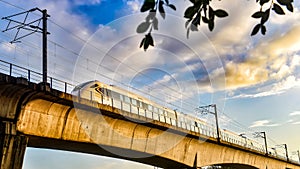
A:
[12,146]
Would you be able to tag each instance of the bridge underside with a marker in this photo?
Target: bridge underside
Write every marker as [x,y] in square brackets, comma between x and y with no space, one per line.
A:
[40,142]
[233,166]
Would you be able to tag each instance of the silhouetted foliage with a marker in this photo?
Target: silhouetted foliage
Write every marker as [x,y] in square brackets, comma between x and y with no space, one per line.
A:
[265,15]
[201,11]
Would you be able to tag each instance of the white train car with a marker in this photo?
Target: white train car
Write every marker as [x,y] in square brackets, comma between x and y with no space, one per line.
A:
[241,140]
[125,100]
[128,101]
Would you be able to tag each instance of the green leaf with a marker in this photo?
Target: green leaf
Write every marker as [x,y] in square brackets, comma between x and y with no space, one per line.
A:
[278,9]
[188,33]
[211,12]
[193,1]
[172,7]
[151,42]
[263,29]
[147,5]
[148,41]
[290,7]
[143,27]
[204,19]
[190,12]
[155,23]
[257,14]
[161,9]
[220,13]
[187,23]
[211,25]
[265,16]
[150,15]
[262,2]
[284,2]
[142,42]
[193,27]
[255,29]
[196,20]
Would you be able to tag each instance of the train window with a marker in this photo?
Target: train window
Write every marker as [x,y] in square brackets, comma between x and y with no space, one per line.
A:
[115,95]
[94,85]
[181,118]
[82,85]
[161,112]
[104,91]
[155,109]
[108,93]
[150,107]
[126,99]
[140,104]
[134,102]
[99,90]
[145,106]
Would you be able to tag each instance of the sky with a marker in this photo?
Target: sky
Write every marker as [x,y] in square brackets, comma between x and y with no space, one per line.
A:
[255,81]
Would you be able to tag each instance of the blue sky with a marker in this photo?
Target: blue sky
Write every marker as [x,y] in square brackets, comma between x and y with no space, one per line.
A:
[255,81]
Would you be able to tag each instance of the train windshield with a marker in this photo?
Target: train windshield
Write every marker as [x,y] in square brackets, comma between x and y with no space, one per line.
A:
[80,86]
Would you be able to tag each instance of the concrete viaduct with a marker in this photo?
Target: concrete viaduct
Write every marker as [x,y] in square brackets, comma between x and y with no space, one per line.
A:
[36,116]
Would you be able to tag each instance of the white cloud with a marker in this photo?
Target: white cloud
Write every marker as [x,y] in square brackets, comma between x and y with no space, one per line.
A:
[296,123]
[8,47]
[87,2]
[134,5]
[275,89]
[263,123]
[274,57]
[295,113]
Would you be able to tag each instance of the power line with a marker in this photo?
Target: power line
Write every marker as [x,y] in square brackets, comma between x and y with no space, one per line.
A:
[12,5]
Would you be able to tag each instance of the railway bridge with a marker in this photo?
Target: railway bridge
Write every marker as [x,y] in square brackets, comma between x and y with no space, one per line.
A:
[37,115]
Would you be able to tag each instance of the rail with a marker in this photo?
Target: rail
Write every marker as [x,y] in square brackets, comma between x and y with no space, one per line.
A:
[203,129]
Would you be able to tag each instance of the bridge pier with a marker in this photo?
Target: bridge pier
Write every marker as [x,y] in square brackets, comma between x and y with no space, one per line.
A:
[12,146]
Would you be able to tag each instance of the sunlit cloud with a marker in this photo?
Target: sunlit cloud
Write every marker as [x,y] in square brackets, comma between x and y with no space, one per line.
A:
[8,47]
[271,59]
[275,89]
[296,123]
[134,5]
[263,123]
[295,113]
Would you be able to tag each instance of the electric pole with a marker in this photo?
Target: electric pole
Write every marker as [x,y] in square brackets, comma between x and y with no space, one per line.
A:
[262,135]
[205,110]
[33,26]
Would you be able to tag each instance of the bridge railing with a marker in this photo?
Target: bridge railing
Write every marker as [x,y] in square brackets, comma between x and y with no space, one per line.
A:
[33,76]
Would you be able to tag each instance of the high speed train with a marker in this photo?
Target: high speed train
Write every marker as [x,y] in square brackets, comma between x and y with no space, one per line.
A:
[123,99]
[133,103]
